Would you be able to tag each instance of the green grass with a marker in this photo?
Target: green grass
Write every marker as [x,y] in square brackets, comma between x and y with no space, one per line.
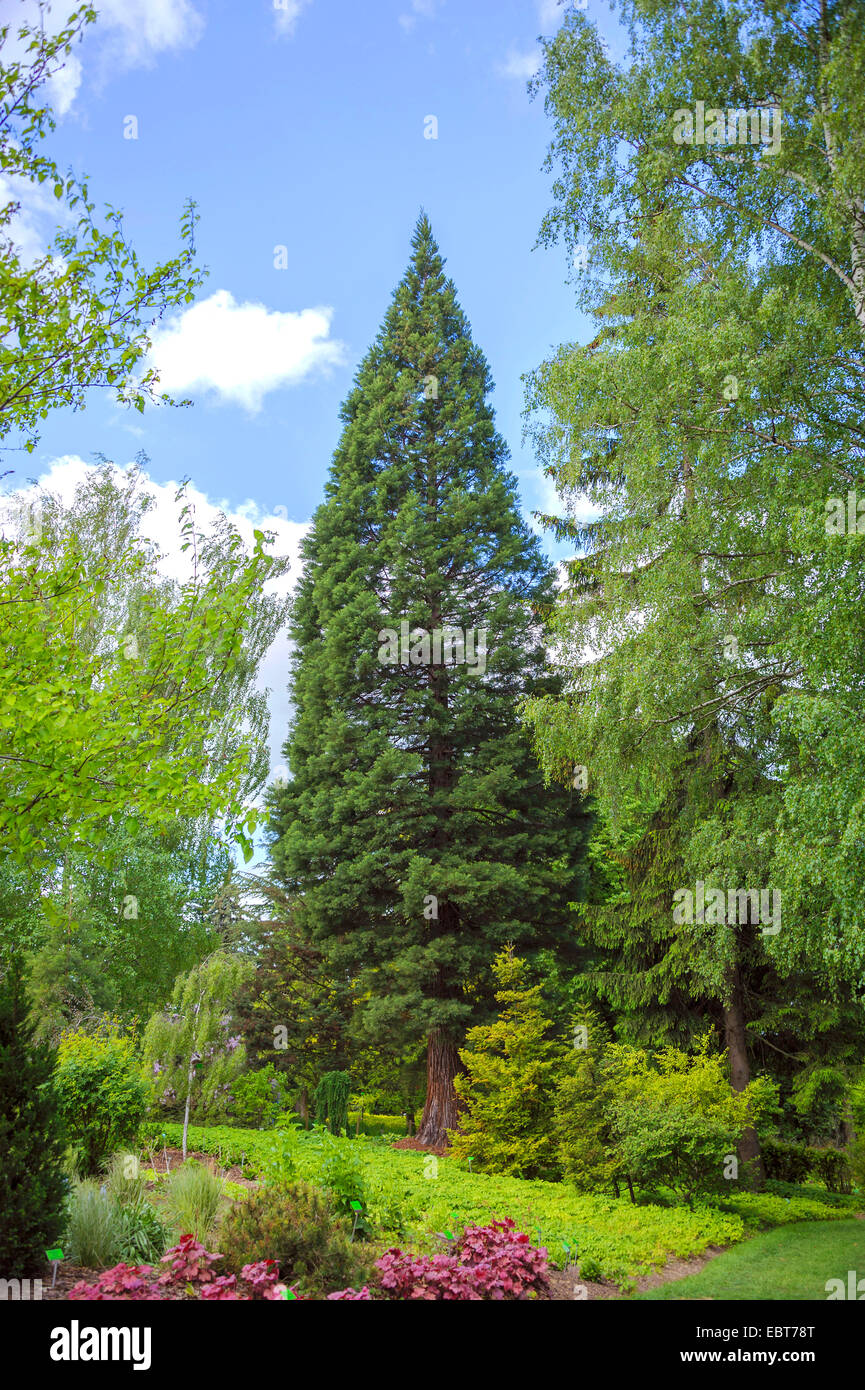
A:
[390,1126]
[792,1263]
[614,1239]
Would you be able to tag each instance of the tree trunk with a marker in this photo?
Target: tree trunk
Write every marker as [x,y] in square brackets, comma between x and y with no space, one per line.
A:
[740,1070]
[303,1106]
[189,1076]
[440,1109]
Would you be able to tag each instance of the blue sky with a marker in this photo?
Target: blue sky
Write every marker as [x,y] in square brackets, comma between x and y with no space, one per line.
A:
[301,126]
[306,131]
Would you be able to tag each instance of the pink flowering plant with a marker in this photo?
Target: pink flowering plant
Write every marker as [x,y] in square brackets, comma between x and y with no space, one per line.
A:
[189,1273]
[489,1263]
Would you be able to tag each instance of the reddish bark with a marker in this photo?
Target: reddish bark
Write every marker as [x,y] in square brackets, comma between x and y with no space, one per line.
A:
[440,1109]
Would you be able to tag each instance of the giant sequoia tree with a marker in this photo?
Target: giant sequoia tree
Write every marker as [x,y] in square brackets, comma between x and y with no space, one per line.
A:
[416,829]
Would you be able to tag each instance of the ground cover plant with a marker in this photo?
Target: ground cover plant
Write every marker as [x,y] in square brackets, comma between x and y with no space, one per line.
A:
[615,1239]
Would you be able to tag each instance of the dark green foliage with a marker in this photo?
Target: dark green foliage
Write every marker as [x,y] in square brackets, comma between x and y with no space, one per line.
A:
[833,1168]
[331,1101]
[795,1163]
[295,1225]
[416,825]
[258,1097]
[856,1160]
[32,1185]
[785,1162]
[292,1013]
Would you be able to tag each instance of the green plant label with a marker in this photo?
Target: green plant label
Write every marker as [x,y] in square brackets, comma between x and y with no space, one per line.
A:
[54,1254]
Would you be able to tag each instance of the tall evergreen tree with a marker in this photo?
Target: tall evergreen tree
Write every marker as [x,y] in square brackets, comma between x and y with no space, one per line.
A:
[710,625]
[416,827]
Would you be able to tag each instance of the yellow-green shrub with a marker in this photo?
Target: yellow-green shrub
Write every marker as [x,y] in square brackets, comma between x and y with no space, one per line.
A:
[101,1095]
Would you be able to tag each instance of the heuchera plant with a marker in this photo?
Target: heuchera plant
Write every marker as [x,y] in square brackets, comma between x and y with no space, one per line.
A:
[190,1271]
[122,1282]
[189,1263]
[490,1263]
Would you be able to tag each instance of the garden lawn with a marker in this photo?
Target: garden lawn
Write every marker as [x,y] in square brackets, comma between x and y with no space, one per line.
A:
[614,1239]
[792,1263]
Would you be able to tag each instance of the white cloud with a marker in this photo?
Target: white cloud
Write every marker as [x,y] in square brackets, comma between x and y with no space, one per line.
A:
[161,525]
[242,351]
[520,65]
[550,14]
[135,31]
[420,9]
[524,65]
[31,227]
[63,86]
[286,14]
[127,34]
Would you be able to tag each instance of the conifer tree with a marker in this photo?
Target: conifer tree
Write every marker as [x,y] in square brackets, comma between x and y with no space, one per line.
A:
[32,1184]
[416,827]
[513,1067]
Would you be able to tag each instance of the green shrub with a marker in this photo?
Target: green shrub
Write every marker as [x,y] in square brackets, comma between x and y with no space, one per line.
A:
[675,1120]
[812,1193]
[762,1210]
[785,1162]
[95,1233]
[277,1160]
[821,1097]
[856,1160]
[589,1268]
[259,1096]
[331,1101]
[340,1172]
[831,1166]
[32,1179]
[192,1199]
[143,1236]
[101,1094]
[295,1225]
[583,1111]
